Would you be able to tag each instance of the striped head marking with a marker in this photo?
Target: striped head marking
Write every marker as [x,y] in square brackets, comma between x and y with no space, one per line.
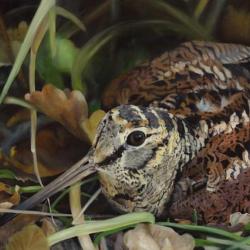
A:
[136,152]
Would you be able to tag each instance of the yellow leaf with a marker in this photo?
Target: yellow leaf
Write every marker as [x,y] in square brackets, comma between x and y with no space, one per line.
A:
[29,238]
[90,125]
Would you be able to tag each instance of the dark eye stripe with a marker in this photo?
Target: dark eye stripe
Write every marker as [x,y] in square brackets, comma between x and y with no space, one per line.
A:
[113,157]
[118,154]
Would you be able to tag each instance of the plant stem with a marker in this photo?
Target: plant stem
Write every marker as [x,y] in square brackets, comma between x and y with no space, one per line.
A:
[100,226]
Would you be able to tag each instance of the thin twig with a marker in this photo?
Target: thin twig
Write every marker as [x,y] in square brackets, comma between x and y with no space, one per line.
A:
[16,211]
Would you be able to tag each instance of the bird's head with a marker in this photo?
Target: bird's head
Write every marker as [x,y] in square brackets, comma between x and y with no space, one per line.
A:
[136,153]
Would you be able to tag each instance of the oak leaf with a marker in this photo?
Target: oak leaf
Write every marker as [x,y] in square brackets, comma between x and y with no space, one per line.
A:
[66,107]
[29,238]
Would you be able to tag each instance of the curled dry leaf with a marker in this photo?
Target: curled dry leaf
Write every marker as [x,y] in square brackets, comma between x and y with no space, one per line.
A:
[8,198]
[29,238]
[147,237]
[66,107]
[239,218]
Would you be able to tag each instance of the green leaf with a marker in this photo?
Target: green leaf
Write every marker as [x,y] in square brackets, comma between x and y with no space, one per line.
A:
[65,55]
[51,69]
[7,174]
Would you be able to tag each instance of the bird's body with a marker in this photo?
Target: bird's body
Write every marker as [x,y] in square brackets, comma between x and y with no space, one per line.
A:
[179,138]
[204,89]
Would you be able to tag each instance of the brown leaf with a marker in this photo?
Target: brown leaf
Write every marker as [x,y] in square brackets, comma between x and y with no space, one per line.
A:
[14,226]
[68,108]
[57,150]
[48,226]
[8,198]
[147,237]
[29,238]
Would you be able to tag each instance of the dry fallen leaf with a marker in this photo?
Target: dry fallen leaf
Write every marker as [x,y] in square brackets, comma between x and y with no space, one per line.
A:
[48,226]
[148,236]
[66,107]
[8,198]
[29,238]
[239,218]
[57,150]
[14,226]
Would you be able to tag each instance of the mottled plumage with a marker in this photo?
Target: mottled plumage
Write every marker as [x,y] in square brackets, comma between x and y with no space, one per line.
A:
[205,88]
[179,139]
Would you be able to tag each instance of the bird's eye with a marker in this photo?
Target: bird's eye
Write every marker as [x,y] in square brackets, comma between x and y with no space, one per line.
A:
[136,138]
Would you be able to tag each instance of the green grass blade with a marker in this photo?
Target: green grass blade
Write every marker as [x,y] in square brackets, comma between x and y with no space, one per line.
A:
[52,31]
[68,15]
[200,7]
[190,23]
[7,174]
[100,226]
[17,101]
[214,15]
[41,12]
[67,30]
[90,49]
[204,229]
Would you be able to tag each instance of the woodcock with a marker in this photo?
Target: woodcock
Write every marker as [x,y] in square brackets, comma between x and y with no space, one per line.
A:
[177,136]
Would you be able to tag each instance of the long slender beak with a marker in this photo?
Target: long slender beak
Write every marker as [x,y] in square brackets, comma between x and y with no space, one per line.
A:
[78,171]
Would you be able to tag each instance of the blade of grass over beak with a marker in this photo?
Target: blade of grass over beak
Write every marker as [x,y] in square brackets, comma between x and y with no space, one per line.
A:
[66,191]
[81,169]
[90,49]
[100,226]
[41,12]
[68,15]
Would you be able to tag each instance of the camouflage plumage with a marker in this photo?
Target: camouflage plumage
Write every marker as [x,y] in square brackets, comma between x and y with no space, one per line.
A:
[179,138]
[206,86]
